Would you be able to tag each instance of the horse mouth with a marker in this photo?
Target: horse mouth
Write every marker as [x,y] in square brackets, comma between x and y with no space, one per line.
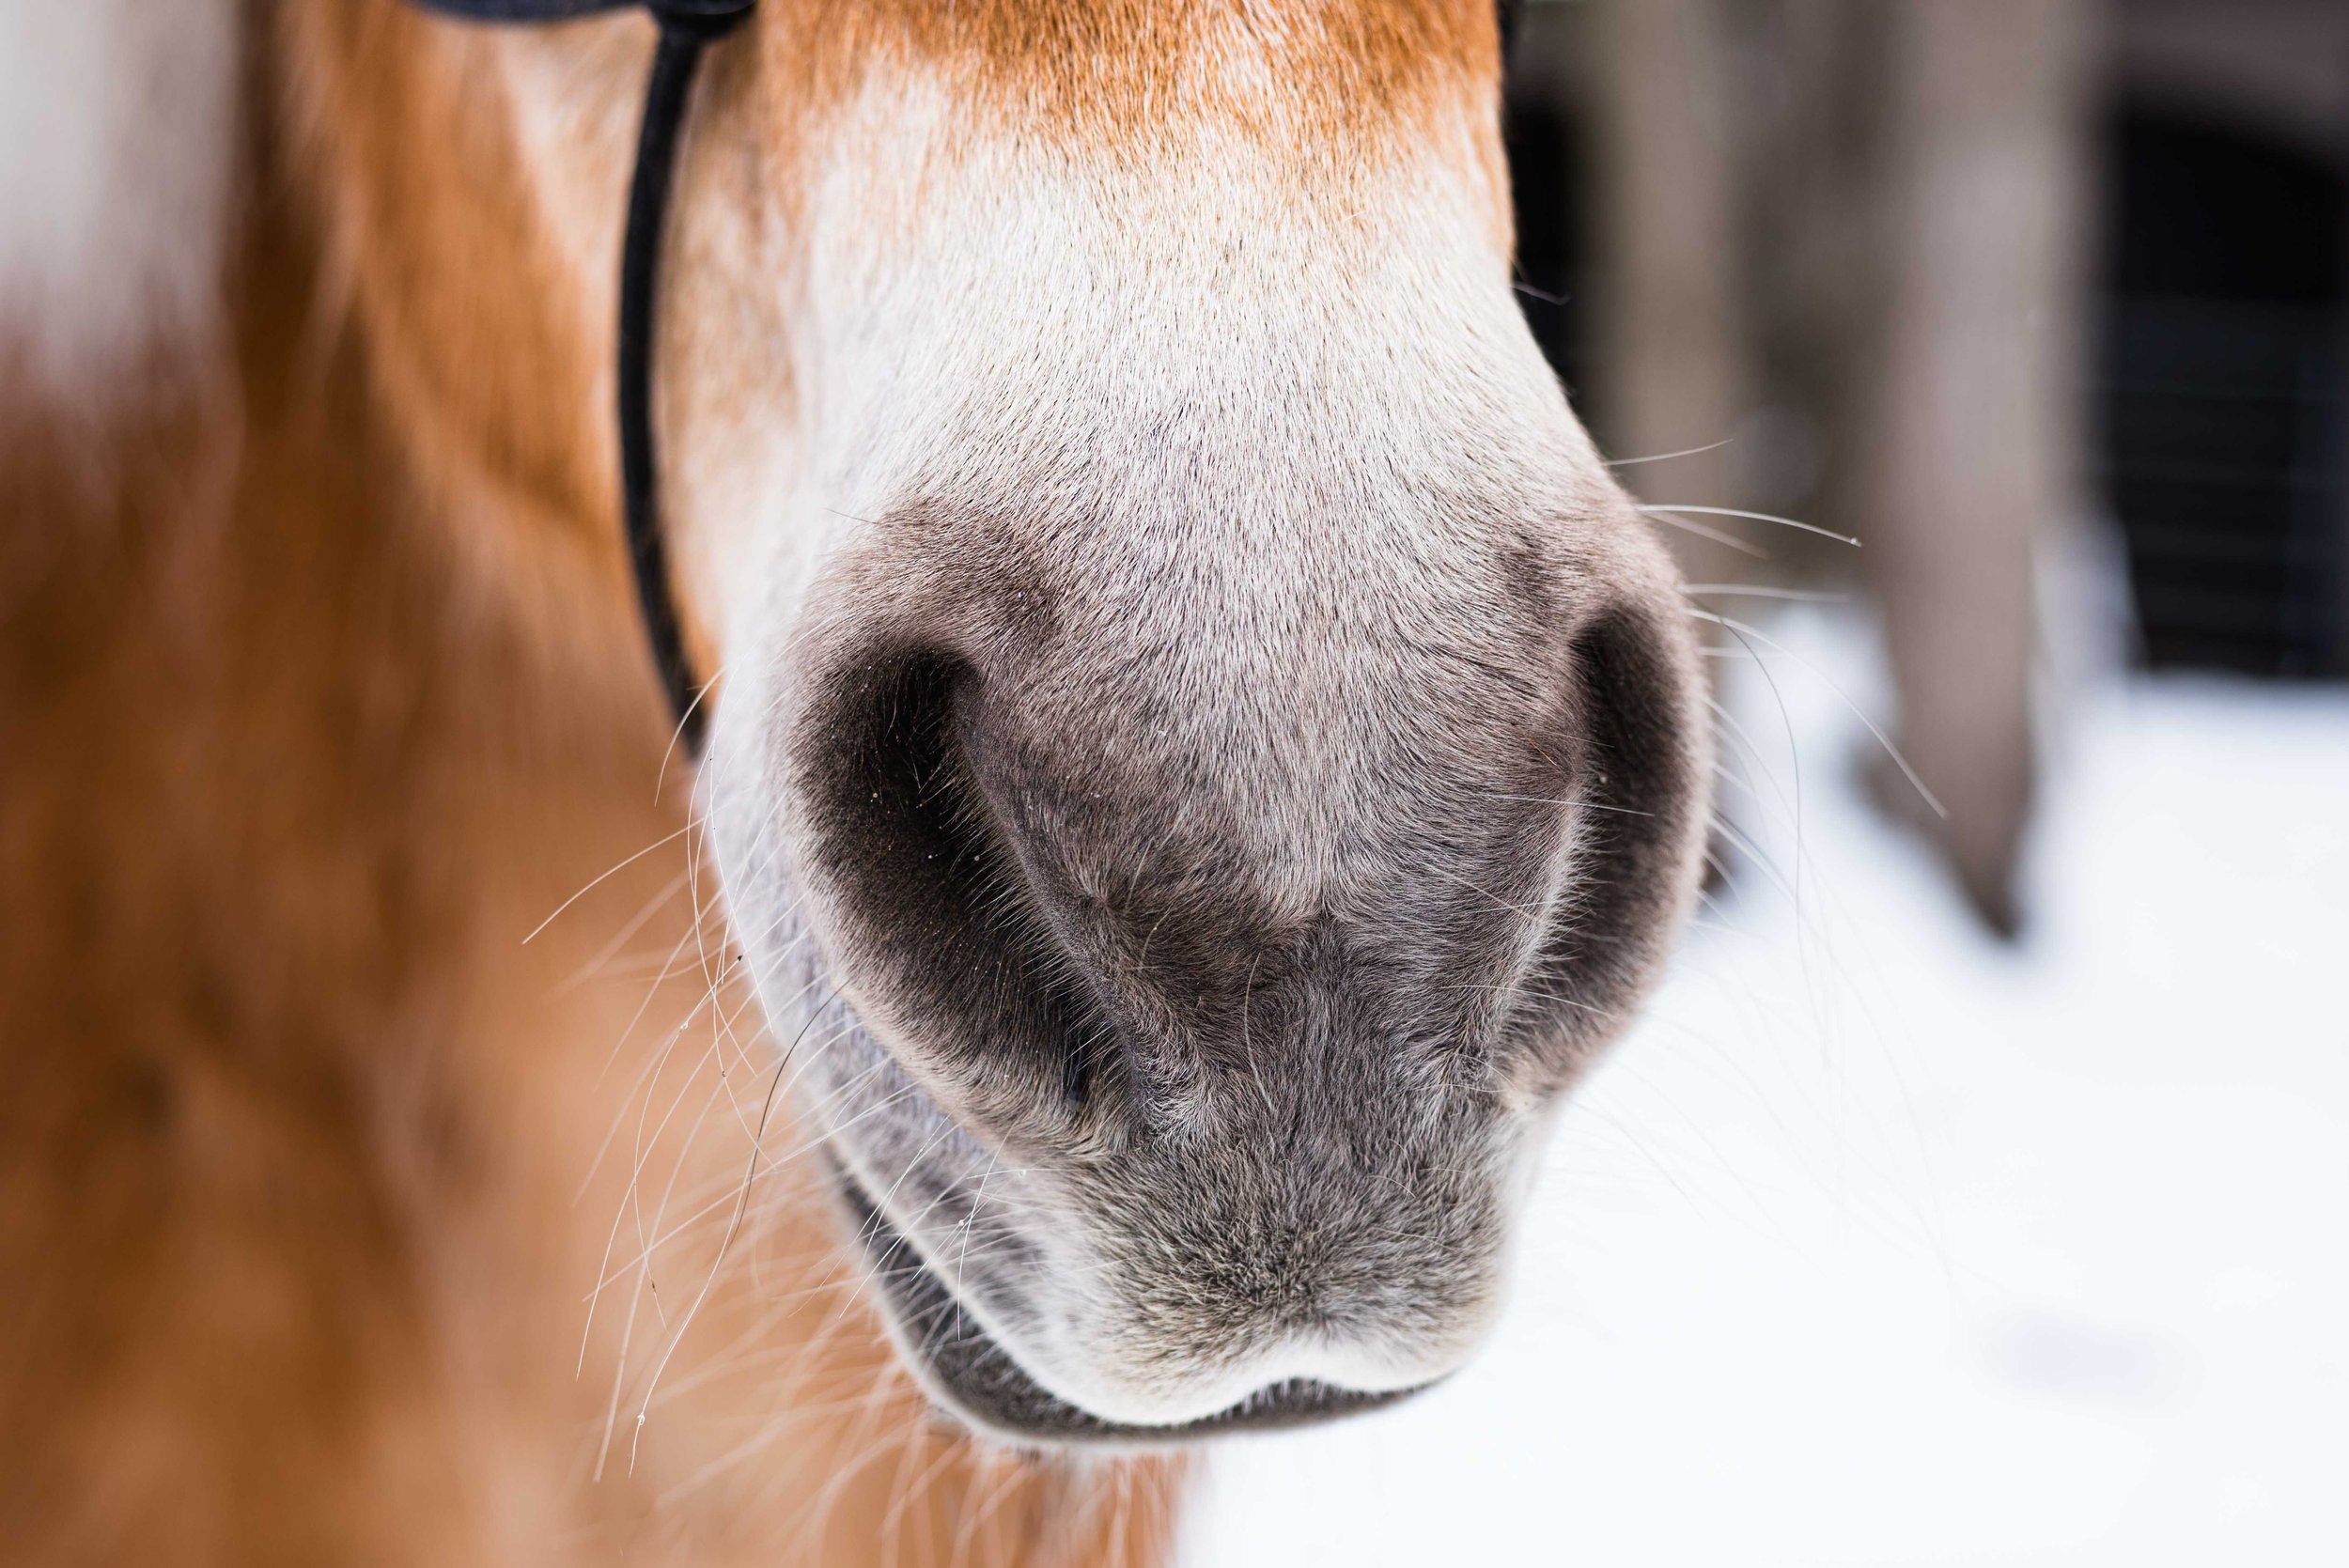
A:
[971,1375]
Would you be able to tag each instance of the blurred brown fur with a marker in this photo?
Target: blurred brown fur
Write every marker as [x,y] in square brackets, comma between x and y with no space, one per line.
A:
[292,1122]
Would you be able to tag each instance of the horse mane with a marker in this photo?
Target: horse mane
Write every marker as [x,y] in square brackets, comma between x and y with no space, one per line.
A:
[304,727]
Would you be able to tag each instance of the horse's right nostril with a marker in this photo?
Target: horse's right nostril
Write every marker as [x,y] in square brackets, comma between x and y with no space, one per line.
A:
[930,906]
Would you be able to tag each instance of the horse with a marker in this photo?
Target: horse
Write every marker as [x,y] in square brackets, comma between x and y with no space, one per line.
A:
[1201,756]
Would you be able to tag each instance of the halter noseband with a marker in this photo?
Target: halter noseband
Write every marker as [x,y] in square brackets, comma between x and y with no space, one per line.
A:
[686,28]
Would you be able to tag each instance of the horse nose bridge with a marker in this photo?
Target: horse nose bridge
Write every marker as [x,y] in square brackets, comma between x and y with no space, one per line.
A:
[1294,1035]
[1255,912]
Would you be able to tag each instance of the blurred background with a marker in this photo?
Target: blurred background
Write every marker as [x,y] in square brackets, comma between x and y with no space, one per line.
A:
[1977,1190]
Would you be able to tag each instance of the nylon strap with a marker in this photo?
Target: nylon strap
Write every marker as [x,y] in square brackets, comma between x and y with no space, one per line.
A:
[687,26]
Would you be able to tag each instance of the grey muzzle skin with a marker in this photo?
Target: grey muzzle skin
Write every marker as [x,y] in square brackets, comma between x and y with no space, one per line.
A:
[1149,1125]
[969,1373]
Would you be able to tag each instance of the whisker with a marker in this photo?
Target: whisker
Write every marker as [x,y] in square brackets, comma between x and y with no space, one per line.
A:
[582,893]
[677,731]
[596,966]
[1886,741]
[1666,456]
[748,1175]
[645,1082]
[1487,892]
[1584,805]
[1727,540]
[1749,590]
[1657,508]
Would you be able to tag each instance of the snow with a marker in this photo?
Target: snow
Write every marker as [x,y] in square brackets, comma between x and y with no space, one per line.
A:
[1878,1243]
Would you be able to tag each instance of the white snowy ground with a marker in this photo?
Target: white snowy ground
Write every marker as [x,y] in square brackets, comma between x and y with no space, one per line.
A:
[1878,1244]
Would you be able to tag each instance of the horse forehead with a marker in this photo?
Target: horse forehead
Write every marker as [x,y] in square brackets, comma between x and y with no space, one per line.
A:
[1107,71]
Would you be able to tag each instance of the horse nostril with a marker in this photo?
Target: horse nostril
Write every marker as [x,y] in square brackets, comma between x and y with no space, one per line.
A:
[932,910]
[1641,788]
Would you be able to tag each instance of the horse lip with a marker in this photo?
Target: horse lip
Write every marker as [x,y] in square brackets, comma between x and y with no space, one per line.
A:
[975,1379]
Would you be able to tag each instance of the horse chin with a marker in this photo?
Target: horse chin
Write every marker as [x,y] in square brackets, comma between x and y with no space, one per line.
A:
[974,1378]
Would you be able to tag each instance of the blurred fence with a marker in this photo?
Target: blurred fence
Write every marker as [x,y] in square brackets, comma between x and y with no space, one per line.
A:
[1949,275]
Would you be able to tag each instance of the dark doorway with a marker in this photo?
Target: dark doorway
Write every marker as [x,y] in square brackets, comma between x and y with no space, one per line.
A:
[2223,403]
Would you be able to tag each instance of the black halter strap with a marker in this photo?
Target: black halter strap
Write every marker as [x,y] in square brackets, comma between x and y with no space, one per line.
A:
[686,28]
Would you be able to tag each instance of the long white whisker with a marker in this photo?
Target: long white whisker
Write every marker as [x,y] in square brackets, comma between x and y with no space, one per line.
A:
[1885,740]
[677,731]
[1657,509]
[1581,805]
[1730,541]
[750,1174]
[582,893]
[1666,456]
[1751,590]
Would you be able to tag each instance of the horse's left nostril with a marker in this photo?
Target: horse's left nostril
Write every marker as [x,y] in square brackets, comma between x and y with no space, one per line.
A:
[1642,790]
